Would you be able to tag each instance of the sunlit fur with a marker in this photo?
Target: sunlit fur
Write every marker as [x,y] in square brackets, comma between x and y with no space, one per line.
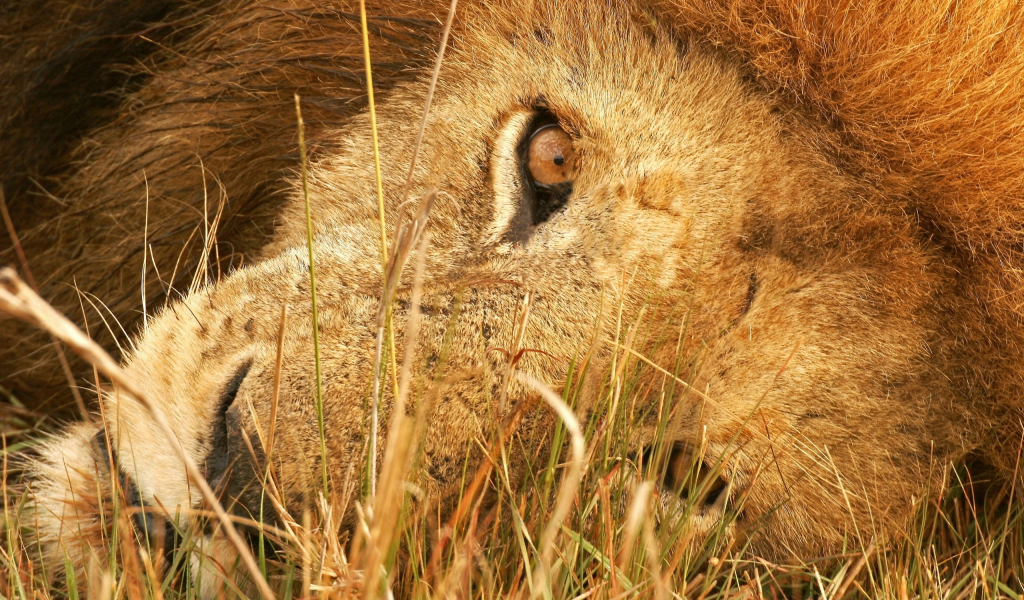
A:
[817,203]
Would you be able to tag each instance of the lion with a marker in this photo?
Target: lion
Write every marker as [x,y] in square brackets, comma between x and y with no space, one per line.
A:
[816,205]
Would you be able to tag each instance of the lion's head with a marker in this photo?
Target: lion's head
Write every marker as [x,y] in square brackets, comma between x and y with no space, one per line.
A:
[796,225]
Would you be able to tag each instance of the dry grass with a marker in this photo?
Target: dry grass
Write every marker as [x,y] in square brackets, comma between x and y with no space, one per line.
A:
[590,523]
[589,520]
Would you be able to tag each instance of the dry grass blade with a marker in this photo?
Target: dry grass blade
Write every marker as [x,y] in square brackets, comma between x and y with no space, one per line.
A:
[15,241]
[633,520]
[372,108]
[515,349]
[407,234]
[17,299]
[429,99]
[852,574]
[275,399]
[567,490]
[664,371]
[387,499]
[319,398]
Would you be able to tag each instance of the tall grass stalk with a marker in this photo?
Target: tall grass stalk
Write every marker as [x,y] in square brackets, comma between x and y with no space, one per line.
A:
[319,397]
[387,331]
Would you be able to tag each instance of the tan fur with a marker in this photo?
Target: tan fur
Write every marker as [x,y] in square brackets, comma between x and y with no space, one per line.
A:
[72,509]
[818,205]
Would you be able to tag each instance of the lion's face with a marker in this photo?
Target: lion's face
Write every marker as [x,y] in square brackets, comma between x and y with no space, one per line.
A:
[605,166]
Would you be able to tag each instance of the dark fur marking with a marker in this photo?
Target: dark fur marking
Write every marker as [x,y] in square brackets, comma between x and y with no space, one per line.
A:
[230,466]
[752,288]
[216,463]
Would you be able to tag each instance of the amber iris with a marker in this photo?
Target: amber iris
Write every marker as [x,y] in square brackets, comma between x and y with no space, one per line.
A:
[550,157]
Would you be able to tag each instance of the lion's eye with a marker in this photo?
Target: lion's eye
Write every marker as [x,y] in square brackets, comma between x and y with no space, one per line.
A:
[550,156]
[547,165]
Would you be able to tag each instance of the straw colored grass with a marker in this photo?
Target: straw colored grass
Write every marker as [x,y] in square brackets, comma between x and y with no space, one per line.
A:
[591,524]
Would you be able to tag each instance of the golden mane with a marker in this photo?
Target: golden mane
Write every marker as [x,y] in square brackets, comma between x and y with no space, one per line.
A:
[926,96]
[922,100]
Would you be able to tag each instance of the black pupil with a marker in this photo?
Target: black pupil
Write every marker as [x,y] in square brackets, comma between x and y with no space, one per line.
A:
[559,160]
